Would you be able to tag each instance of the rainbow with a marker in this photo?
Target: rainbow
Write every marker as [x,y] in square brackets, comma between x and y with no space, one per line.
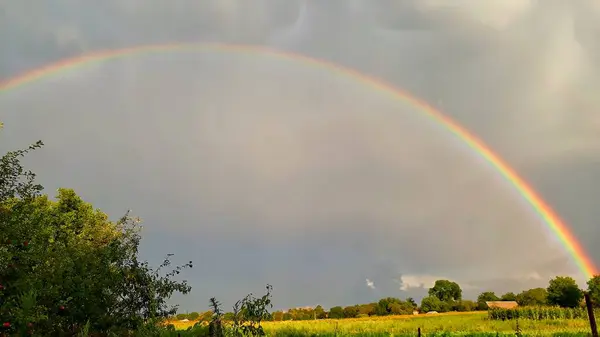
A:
[548,215]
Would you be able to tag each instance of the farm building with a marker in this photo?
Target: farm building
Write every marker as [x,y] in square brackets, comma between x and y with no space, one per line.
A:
[502,304]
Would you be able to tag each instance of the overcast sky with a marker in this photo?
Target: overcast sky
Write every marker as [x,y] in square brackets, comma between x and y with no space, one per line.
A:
[262,169]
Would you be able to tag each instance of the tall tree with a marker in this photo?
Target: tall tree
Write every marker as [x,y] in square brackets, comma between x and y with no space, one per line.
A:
[564,291]
[446,291]
[336,312]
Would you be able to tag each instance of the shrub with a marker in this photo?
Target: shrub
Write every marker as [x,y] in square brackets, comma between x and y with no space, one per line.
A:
[65,267]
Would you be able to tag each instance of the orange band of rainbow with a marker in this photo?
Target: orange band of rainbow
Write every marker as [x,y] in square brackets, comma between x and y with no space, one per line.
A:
[550,218]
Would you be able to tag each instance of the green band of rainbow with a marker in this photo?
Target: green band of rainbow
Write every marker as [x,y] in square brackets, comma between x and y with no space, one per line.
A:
[550,218]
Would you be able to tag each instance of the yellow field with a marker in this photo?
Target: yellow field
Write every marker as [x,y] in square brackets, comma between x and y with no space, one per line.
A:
[451,322]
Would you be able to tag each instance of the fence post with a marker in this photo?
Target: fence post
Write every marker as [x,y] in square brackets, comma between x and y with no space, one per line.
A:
[419,332]
[590,310]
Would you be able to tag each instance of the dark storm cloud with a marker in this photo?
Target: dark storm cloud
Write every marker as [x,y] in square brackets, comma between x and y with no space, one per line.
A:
[263,171]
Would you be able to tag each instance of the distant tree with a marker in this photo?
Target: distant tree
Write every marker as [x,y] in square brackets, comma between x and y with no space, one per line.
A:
[533,297]
[486,296]
[393,306]
[510,296]
[336,312]
[320,312]
[432,303]
[181,316]
[367,309]
[278,316]
[564,291]
[446,291]
[206,316]
[193,316]
[465,305]
[594,290]
[351,311]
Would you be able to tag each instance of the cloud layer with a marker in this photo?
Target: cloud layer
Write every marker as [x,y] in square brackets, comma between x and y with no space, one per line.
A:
[263,170]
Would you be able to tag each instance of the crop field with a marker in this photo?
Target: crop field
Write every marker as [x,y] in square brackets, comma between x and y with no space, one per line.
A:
[450,324]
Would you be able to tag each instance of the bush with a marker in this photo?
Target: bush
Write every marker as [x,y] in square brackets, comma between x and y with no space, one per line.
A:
[65,267]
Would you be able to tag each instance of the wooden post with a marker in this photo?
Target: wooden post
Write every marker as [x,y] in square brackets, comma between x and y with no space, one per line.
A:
[590,310]
[419,332]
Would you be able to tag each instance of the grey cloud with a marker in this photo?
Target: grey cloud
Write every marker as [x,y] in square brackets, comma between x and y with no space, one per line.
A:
[263,170]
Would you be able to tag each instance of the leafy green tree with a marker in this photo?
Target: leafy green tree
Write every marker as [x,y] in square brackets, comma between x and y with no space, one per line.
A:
[533,297]
[367,309]
[486,296]
[192,316]
[446,291]
[564,291]
[594,290]
[393,306]
[432,303]
[336,312]
[510,296]
[278,316]
[320,312]
[63,264]
[350,311]
[465,305]
[412,302]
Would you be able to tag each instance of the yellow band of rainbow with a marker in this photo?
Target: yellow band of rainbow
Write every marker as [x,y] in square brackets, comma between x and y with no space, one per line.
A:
[550,218]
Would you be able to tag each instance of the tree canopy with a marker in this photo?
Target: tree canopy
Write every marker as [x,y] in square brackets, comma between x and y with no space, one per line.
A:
[64,264]
[446,291]
[564,291]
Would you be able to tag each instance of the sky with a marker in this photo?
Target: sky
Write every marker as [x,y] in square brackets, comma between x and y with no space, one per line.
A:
[263,169]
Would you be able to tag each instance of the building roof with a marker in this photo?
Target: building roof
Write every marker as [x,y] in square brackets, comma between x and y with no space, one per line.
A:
[502,304]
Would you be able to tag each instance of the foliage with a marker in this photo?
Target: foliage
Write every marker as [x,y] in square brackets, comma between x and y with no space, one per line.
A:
[594,290]
[533,297]
[393,306]
[465,305]
[446,291]
[486,296]
[537,313]
[336,312]
[15,181]
[510,296]
[564,291]
[246,319]
[432,303]
[65,267]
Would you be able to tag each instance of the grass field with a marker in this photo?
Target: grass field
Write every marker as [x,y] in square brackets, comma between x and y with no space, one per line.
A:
[451,324]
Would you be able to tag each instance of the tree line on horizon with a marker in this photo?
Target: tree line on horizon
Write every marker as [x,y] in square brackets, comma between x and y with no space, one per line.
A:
[444,296]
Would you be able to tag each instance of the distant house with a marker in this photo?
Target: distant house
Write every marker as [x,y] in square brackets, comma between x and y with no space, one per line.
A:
[502,304]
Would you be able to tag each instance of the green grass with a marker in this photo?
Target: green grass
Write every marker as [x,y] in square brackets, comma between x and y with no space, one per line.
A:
[453,324]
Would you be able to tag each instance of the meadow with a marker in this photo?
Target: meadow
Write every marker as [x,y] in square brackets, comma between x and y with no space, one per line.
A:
[476,324]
